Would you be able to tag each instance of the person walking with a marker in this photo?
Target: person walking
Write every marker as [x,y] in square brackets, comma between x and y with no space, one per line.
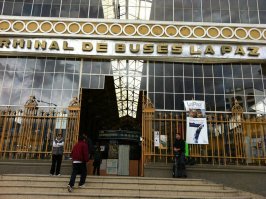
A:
[57,154]
[179,150]
[80,157]
[97,159]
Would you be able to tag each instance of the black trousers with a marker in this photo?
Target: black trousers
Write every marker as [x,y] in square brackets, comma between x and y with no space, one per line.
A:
[96,167]
[78,168]
[179,168]
[56,164]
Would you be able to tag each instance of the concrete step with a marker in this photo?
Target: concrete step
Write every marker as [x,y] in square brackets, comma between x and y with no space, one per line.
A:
[91,184]
[48,187]
[123,191]
[107,179]
[30,195]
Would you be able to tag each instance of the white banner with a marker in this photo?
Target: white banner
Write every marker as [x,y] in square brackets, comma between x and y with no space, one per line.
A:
[156,138]
[196,122]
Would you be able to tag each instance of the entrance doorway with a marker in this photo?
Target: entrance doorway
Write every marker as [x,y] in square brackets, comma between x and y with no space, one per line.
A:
[98,109]
[101,122]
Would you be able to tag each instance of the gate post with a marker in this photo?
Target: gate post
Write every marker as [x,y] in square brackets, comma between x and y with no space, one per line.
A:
[72,124]
[30,110]
[239,137]
[147,128]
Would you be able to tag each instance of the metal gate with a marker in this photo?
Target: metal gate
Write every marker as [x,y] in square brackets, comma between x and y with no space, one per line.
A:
[29,133]
[234,138]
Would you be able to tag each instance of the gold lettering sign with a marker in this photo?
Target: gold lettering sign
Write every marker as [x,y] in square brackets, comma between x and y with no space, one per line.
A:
[66,47]
[209,50]
[101,47]
[82,46]
[87,46]
[226,49]
[120,48]
[162,48]
[20,42]
[134,50]
[194,51]
[240,51]
[42,44]
[253,51]
[54,46]
[177,49]
[148,48]
[4,43]
[29,43]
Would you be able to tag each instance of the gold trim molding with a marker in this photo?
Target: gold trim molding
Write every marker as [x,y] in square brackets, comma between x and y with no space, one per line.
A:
[131,30]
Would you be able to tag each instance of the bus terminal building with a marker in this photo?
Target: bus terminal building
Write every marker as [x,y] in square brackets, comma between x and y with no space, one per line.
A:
[119,71]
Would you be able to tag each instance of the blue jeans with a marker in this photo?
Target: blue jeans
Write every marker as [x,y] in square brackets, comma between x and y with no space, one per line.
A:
[78,168]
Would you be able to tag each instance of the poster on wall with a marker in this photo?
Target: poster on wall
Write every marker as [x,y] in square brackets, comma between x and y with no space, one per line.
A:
[61,121]
[163,141]
[156,138]
[111,166]
[196,122]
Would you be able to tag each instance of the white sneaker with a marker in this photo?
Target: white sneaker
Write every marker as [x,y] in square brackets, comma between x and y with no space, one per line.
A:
[82,186]
[58,174]
[69,188]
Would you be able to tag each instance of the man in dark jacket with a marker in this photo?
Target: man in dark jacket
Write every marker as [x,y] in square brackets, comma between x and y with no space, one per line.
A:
[179,151]
[80,157]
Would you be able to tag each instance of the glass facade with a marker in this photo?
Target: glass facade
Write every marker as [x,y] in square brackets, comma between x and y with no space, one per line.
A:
[217,84]
[53,81]
[220,11]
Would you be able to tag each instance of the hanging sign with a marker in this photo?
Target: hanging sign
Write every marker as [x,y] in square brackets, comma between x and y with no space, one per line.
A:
[196,122]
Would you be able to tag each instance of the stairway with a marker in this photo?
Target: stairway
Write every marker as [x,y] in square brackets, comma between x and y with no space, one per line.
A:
[30,186]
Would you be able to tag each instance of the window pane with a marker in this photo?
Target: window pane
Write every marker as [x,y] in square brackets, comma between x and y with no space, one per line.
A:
[36,11]
[46,10]
[159,100]
[168,68]
[178,69]
[8,79]
[17,11]
[38,80]
[179,104]
[48,80]
[169,84]
[65,11]
[246,71]
[198,70]
[188,70]
[179,85]
[27,9]
[58,80]
[208,83]
[159,84]
[169,101]
[198,82]
[217,70]
[237,72]
[219,86]
[189,87]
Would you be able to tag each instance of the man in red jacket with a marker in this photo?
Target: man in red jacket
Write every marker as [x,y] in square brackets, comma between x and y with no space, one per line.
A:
[80,157]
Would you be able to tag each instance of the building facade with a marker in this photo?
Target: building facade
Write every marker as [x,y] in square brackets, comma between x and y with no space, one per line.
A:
[171,50]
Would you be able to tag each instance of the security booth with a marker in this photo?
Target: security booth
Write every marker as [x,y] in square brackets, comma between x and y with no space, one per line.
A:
[121,152]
